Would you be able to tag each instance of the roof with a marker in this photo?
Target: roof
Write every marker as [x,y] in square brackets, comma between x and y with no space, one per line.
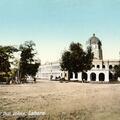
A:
[94,40]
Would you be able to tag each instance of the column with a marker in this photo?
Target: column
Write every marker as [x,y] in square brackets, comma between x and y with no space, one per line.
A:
[97,77]
[107,76]
[80,76]
[73,75]
[88,77]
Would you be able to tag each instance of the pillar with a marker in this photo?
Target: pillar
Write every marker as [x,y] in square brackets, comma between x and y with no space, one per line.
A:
[73,75]
[80,76]
[88,77]
[107,76]
[97,77]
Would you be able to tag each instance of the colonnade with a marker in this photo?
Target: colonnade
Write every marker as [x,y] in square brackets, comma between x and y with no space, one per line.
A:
[92,76]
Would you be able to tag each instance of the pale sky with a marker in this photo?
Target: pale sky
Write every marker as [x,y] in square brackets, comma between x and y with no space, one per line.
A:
[54,24]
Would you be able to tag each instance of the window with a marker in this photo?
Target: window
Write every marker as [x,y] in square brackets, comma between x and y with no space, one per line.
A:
[110,66]
[98,66]
[103,66]
[93,66]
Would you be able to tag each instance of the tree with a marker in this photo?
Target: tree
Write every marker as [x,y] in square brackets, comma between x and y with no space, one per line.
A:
[116,71]
[66,62]
[28,64]
[88,59]
[6,53]
[76,59]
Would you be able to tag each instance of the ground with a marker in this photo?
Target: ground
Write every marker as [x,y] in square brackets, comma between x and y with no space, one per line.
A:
[66,101]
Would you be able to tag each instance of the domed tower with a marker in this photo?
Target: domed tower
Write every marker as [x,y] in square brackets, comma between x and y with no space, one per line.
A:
[96,47]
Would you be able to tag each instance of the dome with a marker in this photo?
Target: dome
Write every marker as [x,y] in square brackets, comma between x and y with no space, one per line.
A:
[94,40]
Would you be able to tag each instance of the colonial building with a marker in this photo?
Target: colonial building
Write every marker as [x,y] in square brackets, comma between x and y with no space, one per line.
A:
[102,70]
[51,71]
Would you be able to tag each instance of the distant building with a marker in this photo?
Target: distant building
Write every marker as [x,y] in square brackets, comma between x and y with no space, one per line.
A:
[51,71]
[102,70]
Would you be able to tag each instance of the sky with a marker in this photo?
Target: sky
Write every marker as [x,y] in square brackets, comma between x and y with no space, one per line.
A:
[54,24]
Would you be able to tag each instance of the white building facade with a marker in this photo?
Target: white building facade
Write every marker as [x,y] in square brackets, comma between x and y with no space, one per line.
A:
[51,71]
[102,70]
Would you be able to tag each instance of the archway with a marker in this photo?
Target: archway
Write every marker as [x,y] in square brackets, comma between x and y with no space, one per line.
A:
[93,77]
[110,76]
[76,75]
[101,77]
[84,76]
[71,75]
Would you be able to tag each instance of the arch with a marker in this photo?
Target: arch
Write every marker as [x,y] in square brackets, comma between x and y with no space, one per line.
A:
[76,75]
[93,77]
[84,76]
[110,76]
[71,75]
[65,74]
[101,77]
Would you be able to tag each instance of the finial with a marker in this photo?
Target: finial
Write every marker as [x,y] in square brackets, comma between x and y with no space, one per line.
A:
[93,34]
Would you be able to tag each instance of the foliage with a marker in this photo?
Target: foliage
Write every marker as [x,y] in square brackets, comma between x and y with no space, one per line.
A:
[9,50]
[66,61]
[75,59]
[88,59]
[117,71]
[28,64]
[6,53]
[4,62]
